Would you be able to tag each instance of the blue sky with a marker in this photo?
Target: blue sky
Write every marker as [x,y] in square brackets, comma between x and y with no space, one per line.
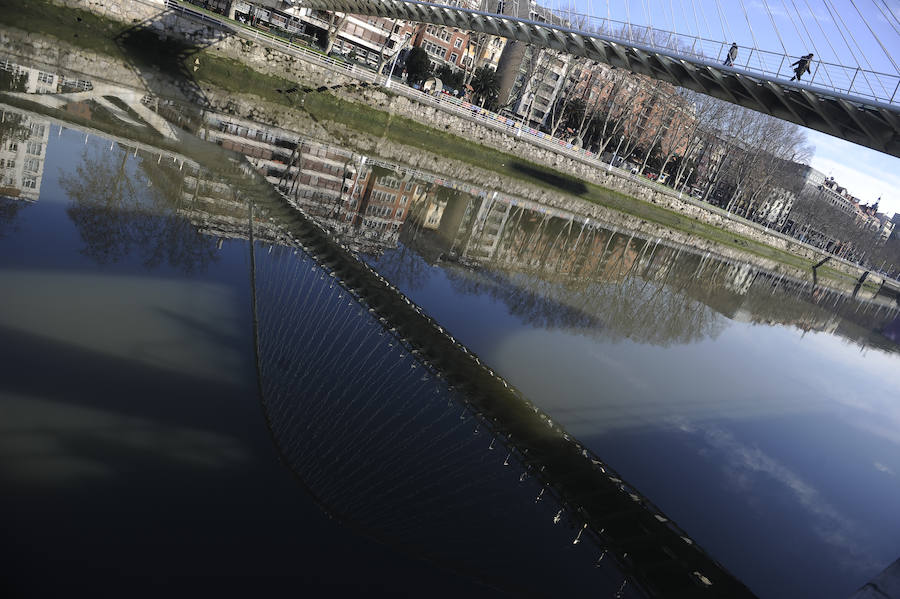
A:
[864,33]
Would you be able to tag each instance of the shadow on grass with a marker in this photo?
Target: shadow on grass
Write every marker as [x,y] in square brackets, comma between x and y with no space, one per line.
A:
[558,180]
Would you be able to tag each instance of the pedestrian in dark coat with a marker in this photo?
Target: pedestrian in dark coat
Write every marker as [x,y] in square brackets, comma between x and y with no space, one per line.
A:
[802,66]
[732,55]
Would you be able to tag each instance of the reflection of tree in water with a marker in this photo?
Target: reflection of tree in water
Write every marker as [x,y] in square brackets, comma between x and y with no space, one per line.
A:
[12,127]
[121,211]
[553,273]
[403,267]
[9,210]
[636,309]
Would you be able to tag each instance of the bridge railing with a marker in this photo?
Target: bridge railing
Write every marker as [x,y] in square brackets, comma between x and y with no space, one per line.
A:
[849,80]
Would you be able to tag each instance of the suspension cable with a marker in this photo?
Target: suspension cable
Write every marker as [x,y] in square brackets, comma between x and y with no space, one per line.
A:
[886,18]
[891,12]
[753,36]
[850,33]
[705,20]
[875,35]
[812,41]
[791,19]
[687,22]
[672,10]
[840,31]
[772,19]
[724,22]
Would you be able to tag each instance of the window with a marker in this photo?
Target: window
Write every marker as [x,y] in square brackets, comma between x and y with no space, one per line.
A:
[501,6]
[453,57]
[37,130]
[29,181]
[10,164]
[433,49]
[13,146]
[32,165]
[389,182]
[45,77]
[457,43]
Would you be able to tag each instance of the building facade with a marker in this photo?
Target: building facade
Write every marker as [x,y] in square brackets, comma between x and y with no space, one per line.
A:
[23,151]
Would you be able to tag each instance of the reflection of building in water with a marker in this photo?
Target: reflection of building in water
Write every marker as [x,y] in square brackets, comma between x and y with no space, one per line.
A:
[217,210]
[385,201]
[366,201]
[22,154]
[37,81]
[619,277]
[363,202]
[739,278]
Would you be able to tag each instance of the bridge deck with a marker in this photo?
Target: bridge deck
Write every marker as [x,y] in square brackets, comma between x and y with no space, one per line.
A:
[864,120]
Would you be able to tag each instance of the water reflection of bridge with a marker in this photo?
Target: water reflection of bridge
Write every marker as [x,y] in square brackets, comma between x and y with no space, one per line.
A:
[396,383]
[399,431]
[406,376]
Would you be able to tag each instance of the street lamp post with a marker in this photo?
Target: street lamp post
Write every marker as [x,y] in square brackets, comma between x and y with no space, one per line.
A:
[616,153]
[390,74]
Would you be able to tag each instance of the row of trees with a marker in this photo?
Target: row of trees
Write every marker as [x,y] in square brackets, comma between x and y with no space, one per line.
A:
[614,112]
[731,156]
[483,80]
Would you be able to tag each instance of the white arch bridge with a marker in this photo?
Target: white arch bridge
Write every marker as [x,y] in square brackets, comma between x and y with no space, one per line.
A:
[858,105]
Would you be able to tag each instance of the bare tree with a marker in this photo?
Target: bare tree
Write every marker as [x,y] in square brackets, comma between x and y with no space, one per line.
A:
[335,22]
[559,110]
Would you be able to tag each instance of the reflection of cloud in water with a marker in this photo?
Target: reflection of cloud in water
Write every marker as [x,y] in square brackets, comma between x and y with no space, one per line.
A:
[189,327]
[593,387]
[882,468]
[742,462]
[50,442]
[864,384]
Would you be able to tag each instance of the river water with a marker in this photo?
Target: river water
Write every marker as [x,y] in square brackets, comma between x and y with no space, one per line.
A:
[179,402]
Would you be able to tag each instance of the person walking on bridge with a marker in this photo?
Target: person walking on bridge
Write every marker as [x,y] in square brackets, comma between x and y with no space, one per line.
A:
[802,66]
[732,55]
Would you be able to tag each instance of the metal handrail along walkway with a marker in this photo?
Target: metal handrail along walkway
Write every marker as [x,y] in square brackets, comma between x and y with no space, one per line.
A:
[865,110]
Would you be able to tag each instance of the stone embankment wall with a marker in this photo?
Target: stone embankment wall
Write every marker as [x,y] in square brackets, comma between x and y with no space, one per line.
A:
[64,58]
[153,13]
[167,22]
[277,116]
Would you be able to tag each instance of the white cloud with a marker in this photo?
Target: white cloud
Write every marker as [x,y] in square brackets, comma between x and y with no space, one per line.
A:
[745,464]
[882,468]
[867,174]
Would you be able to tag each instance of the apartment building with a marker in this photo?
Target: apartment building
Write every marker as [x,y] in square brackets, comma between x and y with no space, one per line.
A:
[22,155]
[445,46]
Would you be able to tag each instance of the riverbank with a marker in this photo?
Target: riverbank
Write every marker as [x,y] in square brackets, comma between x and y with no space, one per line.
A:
[362,113]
